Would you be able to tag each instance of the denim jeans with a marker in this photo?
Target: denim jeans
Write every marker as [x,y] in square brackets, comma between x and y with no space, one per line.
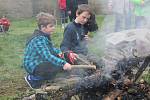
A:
[140,21]
[63,16]
[45,71]
[128,20]
[122,21]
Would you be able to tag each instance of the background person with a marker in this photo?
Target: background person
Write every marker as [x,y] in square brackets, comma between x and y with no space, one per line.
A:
[140,20]
[5,23]
[63,12]
[122,9]
[72,6]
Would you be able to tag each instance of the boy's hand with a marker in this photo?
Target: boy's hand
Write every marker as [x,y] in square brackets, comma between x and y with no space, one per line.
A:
[72,57]
[69,12]
[67,66]
[61,55]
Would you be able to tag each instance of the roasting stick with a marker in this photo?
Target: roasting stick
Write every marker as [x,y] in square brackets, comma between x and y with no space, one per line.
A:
[84,66]
[84,61]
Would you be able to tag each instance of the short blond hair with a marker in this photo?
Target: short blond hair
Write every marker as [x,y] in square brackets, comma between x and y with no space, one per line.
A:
[43,19]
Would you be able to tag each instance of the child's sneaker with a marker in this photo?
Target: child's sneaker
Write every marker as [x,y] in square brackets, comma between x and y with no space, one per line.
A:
[34,84]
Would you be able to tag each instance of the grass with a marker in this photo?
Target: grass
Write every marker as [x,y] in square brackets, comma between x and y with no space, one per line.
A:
[11,54]
[12,84]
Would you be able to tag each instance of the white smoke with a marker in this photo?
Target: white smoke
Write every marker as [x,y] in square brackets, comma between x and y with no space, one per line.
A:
[110,54]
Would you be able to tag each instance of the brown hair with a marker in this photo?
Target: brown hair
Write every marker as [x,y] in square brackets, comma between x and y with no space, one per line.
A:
[84,7]
[43,19]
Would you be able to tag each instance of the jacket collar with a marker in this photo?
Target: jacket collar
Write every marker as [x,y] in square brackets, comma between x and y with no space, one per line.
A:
[39,32]
[77,24]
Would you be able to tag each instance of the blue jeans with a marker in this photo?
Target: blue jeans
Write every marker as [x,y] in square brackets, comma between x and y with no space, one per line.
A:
[122,21]
[63,16]
[140,21]
[45,71]
[128,20]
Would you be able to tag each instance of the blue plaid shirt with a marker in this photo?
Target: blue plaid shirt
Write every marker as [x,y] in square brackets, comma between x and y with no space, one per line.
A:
[39,50]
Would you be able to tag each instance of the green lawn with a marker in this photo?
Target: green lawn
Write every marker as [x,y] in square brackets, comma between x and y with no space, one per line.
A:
[11,54]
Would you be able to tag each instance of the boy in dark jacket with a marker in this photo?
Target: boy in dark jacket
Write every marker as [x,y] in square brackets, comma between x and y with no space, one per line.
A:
[75,38]
[75,34]
[41,59]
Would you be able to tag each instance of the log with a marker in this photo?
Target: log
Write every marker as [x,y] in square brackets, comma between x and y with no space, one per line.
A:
[32,97]
[50,88]
[62,84]
[84,66]
[112,95]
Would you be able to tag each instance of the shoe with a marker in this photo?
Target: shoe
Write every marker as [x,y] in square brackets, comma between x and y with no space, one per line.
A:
[34,84]
[63,27]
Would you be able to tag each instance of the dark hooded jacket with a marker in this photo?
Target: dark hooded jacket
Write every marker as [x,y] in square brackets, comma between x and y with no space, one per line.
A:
[74,39]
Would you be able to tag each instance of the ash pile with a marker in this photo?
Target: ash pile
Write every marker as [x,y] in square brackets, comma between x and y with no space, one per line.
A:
[120,76]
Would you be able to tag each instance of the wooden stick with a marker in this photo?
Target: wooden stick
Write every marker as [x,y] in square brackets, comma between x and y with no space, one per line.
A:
[84,61]
[84,66]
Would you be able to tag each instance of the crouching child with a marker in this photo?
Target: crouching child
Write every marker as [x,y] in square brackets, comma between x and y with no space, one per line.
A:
[42,61]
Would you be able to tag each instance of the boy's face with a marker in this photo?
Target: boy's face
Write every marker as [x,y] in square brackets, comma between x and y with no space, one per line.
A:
[83,17]
[49,29]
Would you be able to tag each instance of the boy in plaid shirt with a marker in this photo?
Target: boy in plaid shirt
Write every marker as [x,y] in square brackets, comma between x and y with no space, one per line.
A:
[41,59]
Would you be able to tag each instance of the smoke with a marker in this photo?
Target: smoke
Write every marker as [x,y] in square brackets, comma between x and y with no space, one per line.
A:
[119,15]
[124,14]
